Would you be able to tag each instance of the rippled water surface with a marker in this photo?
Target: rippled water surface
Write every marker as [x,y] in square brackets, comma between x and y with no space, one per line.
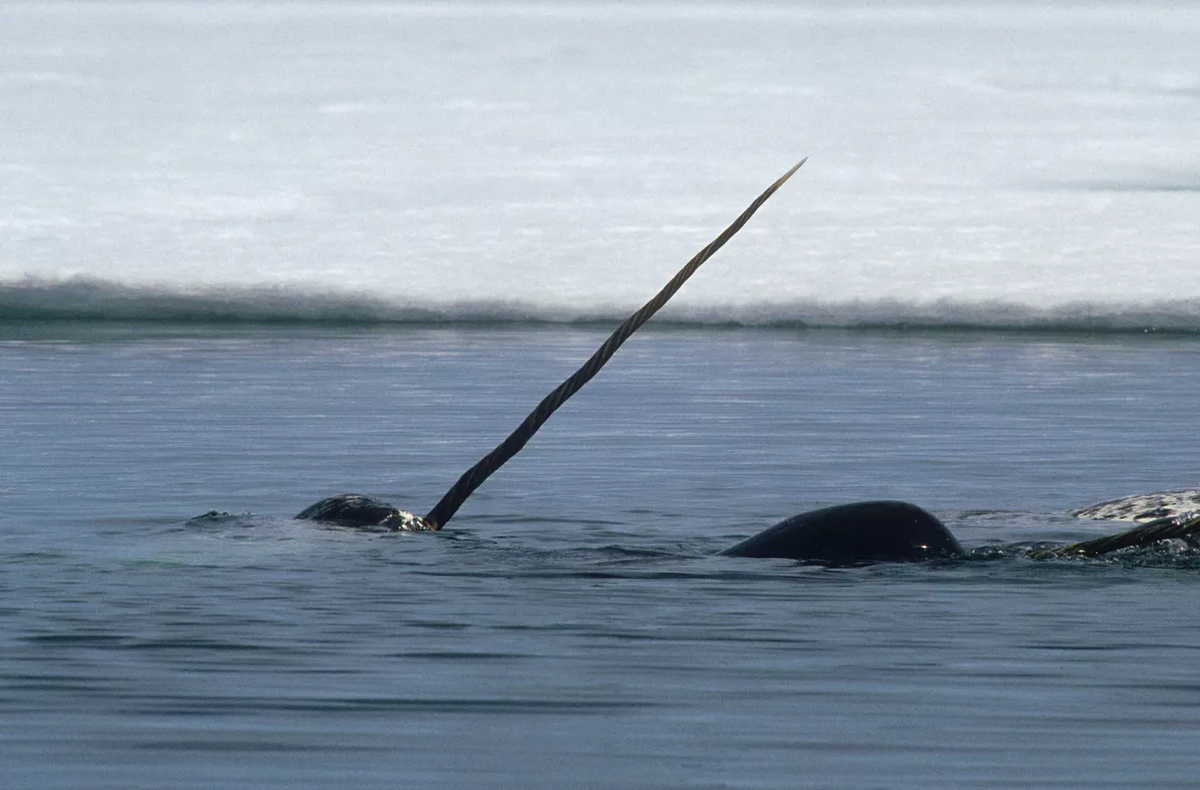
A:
[571,627]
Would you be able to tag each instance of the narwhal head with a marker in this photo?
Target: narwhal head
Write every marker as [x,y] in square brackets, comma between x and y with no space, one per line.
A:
[364,512]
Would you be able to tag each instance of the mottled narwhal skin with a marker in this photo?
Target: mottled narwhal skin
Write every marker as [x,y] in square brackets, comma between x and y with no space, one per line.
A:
[362,512]
[853,534]
[1145,507]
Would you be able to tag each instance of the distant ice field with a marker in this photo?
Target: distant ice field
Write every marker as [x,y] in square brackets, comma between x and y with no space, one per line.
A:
[990,164]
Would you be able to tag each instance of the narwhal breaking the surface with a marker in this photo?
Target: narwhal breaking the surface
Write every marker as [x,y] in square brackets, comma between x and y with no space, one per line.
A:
[844,534]
[355,510]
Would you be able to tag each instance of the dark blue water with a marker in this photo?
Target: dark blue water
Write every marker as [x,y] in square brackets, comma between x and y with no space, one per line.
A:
[570,627]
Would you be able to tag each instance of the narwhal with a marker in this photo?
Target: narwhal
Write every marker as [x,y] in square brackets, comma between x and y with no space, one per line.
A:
[859,532]
[355,510]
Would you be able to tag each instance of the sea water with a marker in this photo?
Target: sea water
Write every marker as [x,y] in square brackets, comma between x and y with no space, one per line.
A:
[253,255]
